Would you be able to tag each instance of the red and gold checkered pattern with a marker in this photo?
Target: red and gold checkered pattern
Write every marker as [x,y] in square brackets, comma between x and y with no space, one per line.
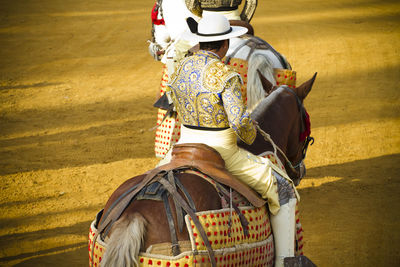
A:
[272,157]
[232,250]
[241,66]
[299,233]
[299,228]
[260,255]
[230,246]
[99,247]
[285,77]
[220,235]
[169,130]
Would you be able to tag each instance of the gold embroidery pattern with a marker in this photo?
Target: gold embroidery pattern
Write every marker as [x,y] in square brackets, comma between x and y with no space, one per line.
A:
[207,93]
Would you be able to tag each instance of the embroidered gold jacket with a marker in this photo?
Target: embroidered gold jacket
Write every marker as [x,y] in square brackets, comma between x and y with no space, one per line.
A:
[206,93]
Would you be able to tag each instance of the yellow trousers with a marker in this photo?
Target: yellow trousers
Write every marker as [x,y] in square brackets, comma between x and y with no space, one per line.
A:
[257,172]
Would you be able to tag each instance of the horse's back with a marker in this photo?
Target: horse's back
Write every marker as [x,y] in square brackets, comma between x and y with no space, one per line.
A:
[242,51]
[222,226]
[200,190]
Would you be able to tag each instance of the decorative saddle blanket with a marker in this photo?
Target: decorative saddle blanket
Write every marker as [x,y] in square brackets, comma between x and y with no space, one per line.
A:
[231,244]
[246,250]
[169,129]
[235,250]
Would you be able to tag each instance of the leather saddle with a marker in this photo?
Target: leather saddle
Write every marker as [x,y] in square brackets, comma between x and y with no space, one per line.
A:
[190,156]
[197,157]
[208,161]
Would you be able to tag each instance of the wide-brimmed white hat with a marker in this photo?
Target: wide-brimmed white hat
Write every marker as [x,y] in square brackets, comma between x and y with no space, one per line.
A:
[212,27]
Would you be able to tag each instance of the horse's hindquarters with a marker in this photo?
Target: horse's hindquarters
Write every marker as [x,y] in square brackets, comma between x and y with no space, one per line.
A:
[230,245]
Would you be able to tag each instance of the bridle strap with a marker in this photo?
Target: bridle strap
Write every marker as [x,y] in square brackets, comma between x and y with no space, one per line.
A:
[268,138]
[172,190]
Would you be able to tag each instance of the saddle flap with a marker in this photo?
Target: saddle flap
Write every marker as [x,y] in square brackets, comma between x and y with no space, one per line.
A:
[153,191]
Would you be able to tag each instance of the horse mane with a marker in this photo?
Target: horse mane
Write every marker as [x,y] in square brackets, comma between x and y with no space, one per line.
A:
[255,91]
[259,110]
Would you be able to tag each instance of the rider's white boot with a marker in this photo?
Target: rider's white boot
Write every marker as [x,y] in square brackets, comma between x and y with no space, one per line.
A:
[283,228]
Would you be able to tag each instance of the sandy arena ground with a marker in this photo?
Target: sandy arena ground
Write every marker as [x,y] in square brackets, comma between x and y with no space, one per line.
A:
[76,92]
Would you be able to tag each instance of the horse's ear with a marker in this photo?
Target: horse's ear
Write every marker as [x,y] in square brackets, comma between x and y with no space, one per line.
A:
[303,90]
[267,85]
[192,24]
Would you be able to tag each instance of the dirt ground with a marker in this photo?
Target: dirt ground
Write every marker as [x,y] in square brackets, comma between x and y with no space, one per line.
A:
[76,91]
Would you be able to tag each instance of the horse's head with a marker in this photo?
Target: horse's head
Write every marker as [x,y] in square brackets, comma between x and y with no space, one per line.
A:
[299,137]
[282,115]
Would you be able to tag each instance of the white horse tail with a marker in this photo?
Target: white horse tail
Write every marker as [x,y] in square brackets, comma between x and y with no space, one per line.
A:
[255,91]
[126,237]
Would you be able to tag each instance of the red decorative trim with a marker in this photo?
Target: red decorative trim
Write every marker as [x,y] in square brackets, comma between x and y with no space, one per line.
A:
[307,131]
[154,15]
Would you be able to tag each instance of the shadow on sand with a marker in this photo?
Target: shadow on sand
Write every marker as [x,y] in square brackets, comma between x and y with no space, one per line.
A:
[359,177]
[64,255]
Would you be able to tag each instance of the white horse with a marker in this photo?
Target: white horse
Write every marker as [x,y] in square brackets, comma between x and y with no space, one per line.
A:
[250,56]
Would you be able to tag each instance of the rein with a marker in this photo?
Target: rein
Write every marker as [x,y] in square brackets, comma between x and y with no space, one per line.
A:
[268,138]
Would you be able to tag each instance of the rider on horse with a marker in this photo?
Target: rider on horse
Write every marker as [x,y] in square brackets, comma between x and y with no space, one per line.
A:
[248,55]
[207,97]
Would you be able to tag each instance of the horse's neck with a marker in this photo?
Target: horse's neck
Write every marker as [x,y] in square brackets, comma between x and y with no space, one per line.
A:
[238,43]
[274,117]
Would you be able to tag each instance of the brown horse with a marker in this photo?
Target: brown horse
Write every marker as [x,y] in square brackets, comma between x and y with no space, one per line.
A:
[140,224]
[283,116]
